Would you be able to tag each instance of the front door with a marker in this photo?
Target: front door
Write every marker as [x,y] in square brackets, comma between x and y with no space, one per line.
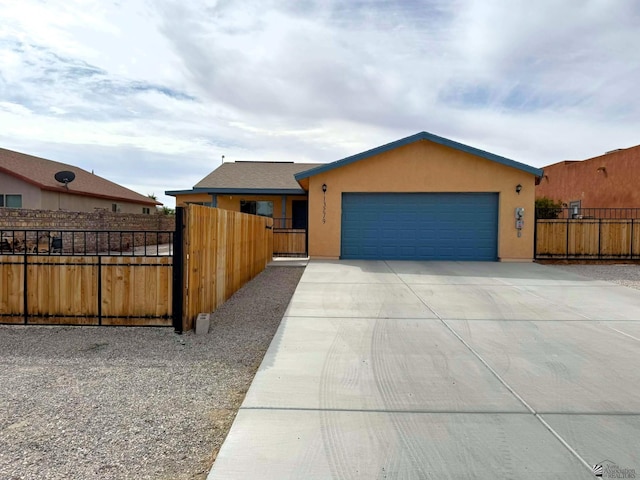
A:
[299,214]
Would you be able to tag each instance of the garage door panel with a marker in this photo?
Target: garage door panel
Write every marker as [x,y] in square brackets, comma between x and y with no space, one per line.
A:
[420,226]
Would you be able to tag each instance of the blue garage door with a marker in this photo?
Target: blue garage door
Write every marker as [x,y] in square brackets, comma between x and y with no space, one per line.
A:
[420,226]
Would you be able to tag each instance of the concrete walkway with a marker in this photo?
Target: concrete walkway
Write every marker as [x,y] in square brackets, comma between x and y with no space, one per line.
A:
[411,370]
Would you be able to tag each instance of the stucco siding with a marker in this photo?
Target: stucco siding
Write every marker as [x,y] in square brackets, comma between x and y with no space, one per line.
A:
[31,197]
[422,167]
[81,203]
[183,199]
[607,181]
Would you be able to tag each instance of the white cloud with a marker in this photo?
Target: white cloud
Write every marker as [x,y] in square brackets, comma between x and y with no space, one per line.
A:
[153,93]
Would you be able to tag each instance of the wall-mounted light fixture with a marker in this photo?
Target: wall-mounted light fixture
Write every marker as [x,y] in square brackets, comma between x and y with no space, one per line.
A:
[324,203]
[518,189]
[601,170]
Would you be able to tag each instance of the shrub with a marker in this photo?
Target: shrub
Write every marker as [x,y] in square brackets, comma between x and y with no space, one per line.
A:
[547,208]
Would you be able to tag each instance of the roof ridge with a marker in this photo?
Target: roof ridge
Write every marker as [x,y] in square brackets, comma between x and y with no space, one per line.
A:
[259,161]
[39,171]
[415,138]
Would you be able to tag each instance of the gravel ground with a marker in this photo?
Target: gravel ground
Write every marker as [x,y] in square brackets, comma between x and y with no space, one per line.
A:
[627,275]
[143,403]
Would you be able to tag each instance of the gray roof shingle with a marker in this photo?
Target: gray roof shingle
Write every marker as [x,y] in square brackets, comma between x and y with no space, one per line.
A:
[255,175]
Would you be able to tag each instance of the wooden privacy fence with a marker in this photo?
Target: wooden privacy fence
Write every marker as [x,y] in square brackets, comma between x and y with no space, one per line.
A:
[290,242]
[71,278]
[219,251]
[587,238]
[37,289]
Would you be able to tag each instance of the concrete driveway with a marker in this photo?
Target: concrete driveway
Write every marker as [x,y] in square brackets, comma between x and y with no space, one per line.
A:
[410,370]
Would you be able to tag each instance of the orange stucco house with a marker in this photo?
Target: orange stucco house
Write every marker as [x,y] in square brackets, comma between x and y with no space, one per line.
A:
[260,188]
[423,197]
[605,181]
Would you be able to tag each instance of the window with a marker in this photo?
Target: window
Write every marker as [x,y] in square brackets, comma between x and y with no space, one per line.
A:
[264,209]
[115,207]
[146,210]
[10,201]
[574,208]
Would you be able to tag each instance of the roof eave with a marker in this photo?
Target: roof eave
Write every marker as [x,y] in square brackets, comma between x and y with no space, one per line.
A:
[70,191]
[239,191]
[414,138]
[173,193]
[99,195]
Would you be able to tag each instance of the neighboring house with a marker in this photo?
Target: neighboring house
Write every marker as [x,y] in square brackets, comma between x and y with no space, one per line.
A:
[606,181]
[423,197]
[260,188]
[29,182]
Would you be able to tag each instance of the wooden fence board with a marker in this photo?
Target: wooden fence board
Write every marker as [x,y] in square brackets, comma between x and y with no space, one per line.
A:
[224,250]
[11,288]
[635,238]
[83,321]
[583,237]
[588,238]
[61,285]
[290,242]
[63,289]
[615,238]
[137,322]
[136,287]
[551,238]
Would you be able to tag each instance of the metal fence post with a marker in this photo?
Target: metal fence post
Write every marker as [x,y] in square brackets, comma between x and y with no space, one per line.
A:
[25,289]
[631,246]
[535,234]
[178,271]
[567,240]
[99,288]
[599,237]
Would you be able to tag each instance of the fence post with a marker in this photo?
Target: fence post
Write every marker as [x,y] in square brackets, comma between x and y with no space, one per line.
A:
[99,288]
[178,272]
[599,236]
[631,246]
[535,234]
[25,289]
[567,240]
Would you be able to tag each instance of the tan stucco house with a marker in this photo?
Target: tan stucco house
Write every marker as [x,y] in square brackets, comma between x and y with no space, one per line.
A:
[423,197]
[29,182]
[261,188]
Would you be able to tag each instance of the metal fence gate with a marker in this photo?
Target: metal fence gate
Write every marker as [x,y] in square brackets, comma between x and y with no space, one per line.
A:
[66,277]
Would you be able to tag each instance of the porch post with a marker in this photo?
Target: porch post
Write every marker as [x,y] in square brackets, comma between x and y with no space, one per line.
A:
[283,224]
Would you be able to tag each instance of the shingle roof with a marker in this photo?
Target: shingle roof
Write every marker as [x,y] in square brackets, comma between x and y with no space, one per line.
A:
[40,172]
[255,175]
[416,138]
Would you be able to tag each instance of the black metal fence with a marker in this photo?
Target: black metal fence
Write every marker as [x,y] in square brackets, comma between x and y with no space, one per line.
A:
[587,233]
[74,277]
[86,242]
[577,213]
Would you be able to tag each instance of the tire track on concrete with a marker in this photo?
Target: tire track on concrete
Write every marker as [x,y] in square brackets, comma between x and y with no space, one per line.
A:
[505,384]
[384,378]
[330,426]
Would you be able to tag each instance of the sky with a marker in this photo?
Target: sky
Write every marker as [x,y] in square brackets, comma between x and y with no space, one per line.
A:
[152,93]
